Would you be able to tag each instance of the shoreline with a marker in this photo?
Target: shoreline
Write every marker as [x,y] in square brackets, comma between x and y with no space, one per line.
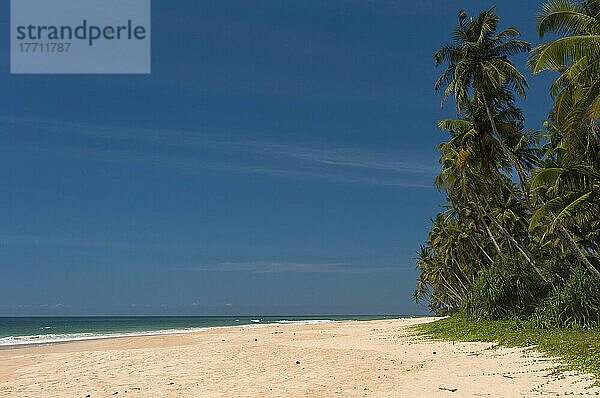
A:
[81,337]
[367,358]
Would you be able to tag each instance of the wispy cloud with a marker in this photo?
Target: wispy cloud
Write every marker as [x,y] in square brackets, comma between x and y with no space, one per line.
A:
[197,152]
[343,157]
[271,267]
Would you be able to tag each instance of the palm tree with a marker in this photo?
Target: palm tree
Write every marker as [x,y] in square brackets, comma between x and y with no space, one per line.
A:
[570,182]
[470,163]
[574,191]
[478,60]
[447,264]
[576,56]
[458,176]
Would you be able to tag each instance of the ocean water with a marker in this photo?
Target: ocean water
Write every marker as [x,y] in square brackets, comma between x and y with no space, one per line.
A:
[24,331]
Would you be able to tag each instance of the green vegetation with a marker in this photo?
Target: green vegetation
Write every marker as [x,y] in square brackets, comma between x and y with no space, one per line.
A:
[519,236]
[507,288]
[579,349]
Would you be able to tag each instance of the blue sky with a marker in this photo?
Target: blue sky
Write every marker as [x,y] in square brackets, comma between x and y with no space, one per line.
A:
[278,160]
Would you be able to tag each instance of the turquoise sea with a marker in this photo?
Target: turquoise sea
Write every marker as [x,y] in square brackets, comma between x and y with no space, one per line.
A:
[23,331]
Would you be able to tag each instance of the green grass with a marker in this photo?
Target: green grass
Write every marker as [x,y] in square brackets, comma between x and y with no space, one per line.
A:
[579,349]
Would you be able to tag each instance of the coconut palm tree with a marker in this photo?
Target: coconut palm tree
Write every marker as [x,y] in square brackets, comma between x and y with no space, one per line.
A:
[570,182]
[575,55]
[478,61]
[574,191]
[459,180]
[470,170]
[447,264]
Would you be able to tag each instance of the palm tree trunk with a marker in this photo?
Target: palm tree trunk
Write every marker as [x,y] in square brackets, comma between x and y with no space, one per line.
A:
[464,288]
[562,234]
[517,197]
[486,227]
[450,289]
[571,244]
[487,230]
[526,253]
[460,282]
[487,256]
[507,152]
[464,274]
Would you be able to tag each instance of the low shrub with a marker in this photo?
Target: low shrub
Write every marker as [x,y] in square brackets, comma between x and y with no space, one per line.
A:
[574,304]
[509,288]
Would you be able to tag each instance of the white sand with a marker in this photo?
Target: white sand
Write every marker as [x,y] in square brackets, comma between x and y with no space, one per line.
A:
[375,358]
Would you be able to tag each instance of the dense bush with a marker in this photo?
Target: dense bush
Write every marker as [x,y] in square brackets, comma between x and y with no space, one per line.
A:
[510,287]
[574,304]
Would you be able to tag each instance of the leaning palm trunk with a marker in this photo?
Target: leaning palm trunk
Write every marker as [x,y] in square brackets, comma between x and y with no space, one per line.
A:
[464,274]
[487,256]
[521,248]
[450,289]
[487,230]
[464,288]
[526,253]
[562,233]
[571,244]
[460,282]
[507,152]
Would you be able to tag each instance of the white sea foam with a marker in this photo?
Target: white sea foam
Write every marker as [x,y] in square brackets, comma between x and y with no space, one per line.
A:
[308,322]
[22,341]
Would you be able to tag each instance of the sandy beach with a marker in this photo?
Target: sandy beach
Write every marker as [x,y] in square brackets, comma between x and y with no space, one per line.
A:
[375,358]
